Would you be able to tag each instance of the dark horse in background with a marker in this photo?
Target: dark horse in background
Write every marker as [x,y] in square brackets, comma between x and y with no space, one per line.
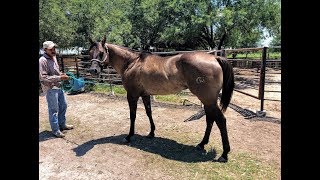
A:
[145,74]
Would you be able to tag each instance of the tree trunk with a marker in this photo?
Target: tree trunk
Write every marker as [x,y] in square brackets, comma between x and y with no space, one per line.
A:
[221,43]
[222,40]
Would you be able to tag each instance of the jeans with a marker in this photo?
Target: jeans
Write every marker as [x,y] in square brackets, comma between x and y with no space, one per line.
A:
[57,107]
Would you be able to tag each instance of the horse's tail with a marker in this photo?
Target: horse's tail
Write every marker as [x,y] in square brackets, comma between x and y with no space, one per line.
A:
[228,82]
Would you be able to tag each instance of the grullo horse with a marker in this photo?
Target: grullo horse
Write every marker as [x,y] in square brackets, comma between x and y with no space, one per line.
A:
[145,74]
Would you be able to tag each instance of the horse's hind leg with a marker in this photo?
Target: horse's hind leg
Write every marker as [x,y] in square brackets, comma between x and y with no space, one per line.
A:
[147,106]
[133,110]
[209,110]
[213,113]
[221,123]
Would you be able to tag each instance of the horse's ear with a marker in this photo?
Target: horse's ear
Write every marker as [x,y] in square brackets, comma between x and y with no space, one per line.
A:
[104,39]
[91,41]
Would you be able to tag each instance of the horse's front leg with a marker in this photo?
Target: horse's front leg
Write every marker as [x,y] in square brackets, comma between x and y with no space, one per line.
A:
[147,106]
[133,110]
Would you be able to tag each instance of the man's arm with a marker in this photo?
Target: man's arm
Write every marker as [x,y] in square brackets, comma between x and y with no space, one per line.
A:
[45,77]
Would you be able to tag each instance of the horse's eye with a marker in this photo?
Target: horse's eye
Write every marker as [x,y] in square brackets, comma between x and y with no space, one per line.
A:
[101,55]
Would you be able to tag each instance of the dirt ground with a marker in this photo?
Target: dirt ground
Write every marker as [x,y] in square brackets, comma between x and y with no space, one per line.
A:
[93,150]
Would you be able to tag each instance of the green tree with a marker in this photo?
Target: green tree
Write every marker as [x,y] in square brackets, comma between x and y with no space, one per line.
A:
[149,18]
[276,40]
[86,15]
[113,20]
[229,23]
[54,24]
[177,24]
[238,23]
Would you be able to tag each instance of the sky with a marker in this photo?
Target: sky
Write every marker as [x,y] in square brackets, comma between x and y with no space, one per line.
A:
[266,42]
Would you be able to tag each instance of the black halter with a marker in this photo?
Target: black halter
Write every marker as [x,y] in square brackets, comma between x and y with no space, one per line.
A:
[101,62]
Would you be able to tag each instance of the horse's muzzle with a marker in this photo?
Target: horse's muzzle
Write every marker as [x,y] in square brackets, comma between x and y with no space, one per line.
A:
[93,71]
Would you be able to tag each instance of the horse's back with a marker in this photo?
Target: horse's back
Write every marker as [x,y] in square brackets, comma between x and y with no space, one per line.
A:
[161,75]
[200,60]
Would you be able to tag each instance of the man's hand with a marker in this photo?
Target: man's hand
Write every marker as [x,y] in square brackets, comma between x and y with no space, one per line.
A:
[64,77]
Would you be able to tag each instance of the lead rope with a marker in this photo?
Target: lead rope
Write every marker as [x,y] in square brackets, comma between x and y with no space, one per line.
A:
[108,69]
[109,81]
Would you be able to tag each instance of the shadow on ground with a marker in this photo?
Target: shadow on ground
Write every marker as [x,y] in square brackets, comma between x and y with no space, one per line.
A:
[166,148]
[45,135]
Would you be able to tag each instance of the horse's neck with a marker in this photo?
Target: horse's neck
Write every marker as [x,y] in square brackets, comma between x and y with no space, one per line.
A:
[120,58]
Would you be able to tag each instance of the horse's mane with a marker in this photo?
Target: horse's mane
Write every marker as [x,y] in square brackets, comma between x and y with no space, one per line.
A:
[142,54]
[133,50]
[92,45]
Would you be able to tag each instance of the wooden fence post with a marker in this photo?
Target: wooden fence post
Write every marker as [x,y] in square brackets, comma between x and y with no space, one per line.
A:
[262,77]
[77,67]
[62,64]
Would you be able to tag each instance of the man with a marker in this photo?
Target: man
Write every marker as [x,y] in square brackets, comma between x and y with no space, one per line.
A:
[50,79]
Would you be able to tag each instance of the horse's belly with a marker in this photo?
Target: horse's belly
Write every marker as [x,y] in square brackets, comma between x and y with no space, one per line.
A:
[163,88]
[162,80]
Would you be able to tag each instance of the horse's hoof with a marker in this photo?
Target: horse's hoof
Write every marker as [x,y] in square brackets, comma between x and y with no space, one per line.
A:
[150,136]
[200,147]
[124,140]
[222,160]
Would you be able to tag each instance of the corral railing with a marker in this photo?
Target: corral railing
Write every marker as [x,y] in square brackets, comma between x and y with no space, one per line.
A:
[260,64]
